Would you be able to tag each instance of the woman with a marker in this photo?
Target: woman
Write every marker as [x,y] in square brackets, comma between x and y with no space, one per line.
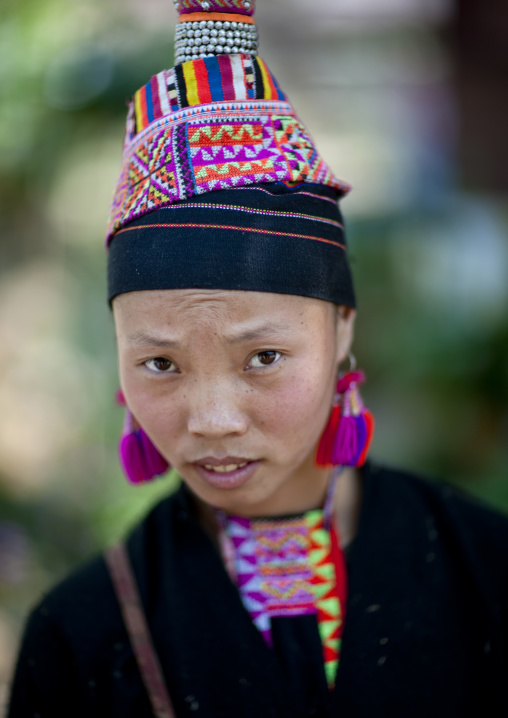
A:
[287,576]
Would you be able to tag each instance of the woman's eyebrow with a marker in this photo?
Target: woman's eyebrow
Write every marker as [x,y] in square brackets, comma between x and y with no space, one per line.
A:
[143,339]
[265,330]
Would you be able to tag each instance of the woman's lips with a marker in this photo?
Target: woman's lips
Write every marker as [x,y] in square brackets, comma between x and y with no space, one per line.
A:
[229,472]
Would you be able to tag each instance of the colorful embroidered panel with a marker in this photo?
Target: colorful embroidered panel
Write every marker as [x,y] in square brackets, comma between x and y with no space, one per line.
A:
[210,124]
[215,147]
[290,568]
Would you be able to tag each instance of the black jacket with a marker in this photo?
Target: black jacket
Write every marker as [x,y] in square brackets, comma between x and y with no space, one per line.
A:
[425,632]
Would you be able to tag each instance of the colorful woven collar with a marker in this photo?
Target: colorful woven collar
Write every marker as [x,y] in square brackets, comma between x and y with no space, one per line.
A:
[289,567]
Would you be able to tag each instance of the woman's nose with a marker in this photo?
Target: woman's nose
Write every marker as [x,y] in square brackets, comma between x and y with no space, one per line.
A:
[215,411]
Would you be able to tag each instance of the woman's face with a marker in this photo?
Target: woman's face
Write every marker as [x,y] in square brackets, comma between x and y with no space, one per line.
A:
[234,388]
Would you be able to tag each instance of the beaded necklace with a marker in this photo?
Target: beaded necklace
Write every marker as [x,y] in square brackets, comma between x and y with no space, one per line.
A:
[290,567]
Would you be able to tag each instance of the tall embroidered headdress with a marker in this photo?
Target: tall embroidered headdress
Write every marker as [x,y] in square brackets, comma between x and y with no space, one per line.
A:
[221,185]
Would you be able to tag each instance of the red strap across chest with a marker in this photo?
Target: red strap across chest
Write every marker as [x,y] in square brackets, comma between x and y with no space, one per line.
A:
[124,583]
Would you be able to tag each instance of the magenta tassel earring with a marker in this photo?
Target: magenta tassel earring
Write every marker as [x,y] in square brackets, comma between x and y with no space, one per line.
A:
[139,458]
[350,428]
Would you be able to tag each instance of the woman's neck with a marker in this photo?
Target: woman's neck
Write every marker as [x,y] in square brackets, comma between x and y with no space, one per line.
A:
[346,505]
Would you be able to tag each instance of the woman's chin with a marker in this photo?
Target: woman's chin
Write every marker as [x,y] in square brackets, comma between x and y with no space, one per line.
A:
[227,481]
[244,491]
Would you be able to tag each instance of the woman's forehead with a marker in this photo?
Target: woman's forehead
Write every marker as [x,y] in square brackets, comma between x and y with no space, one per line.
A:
[222,310]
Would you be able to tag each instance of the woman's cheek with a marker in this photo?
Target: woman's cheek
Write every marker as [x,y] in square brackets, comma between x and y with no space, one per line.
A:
[295,408]
[164,429]
[160,415]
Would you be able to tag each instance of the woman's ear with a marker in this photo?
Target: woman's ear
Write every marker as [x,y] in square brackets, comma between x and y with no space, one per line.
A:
[345,322]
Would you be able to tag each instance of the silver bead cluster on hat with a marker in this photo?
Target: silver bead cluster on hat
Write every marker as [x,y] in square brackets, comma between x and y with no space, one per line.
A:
[207,38]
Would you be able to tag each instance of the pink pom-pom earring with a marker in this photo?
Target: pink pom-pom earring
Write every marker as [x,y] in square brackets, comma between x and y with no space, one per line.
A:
[347,436]
[141,461]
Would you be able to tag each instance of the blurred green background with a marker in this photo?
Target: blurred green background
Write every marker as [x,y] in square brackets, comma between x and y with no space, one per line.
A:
[407,101]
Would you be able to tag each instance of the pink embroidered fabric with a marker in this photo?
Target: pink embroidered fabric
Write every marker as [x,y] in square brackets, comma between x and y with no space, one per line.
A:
[289,567]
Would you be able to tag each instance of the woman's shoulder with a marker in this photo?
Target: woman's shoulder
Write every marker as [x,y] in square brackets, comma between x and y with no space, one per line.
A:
[417,492]
[71,607]
[433,512]
[75,634]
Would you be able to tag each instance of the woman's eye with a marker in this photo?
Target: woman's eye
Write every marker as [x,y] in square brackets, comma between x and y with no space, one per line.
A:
[160,365]
[264,359]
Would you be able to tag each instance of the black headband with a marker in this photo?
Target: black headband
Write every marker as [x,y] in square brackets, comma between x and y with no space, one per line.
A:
[267,238]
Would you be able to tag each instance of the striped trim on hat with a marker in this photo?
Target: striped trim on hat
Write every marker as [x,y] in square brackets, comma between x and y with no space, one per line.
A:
[198,82]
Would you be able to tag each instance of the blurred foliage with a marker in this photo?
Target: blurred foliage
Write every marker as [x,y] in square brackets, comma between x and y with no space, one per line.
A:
[431,333]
